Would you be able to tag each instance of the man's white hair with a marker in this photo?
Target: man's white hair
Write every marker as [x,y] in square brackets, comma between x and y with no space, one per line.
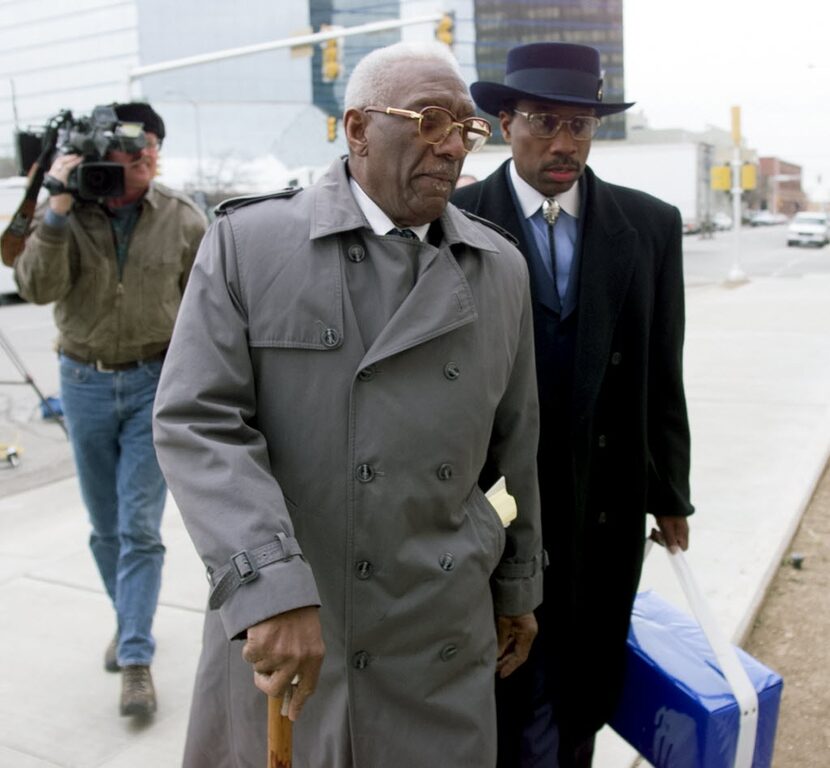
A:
[372,81]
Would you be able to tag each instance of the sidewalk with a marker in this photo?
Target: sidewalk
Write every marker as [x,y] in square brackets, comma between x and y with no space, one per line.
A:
[757,372]
[758,384]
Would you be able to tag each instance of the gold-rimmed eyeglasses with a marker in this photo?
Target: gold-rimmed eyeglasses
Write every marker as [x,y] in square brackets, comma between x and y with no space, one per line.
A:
[545,125]
[436,123]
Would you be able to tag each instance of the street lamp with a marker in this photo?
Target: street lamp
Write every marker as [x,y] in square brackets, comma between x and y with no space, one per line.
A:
[197,123]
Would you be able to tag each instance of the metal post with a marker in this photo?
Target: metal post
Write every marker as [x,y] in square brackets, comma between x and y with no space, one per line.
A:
[197,132]
[736,274]
[198,126]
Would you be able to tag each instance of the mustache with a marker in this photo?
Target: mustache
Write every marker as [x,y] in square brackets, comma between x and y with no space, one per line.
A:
[444,172]
[561,162]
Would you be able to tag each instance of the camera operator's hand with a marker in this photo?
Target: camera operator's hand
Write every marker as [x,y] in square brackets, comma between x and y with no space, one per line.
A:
[61,167]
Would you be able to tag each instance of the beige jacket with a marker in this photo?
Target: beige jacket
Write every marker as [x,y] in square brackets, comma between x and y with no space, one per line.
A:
[101,314]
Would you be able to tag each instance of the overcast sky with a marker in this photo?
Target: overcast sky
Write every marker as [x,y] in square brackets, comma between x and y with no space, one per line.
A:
[687,63]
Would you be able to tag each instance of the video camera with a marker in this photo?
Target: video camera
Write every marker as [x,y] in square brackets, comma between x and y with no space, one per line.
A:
[92,137]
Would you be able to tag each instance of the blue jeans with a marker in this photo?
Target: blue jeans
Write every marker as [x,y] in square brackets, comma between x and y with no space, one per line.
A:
[109,418]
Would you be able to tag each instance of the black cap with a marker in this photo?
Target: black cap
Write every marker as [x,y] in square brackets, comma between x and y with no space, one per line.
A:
[141,112]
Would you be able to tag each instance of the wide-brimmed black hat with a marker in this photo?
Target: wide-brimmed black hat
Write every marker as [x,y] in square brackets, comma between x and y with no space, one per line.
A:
[560,72]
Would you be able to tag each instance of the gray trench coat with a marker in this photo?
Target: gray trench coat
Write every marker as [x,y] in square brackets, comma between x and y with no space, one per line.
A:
[273,418]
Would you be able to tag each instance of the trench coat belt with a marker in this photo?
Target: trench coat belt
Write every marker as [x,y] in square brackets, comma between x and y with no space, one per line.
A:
[524,570]
[244,567]
[101,366]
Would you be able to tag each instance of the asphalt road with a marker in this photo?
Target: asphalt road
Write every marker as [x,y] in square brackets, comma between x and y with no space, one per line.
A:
[762,252]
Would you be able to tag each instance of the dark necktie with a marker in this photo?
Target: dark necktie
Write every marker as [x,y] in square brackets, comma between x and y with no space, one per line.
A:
[408,234]
[550,212]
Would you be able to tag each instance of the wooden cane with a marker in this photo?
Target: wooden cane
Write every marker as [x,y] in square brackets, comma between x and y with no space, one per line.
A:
[279,731]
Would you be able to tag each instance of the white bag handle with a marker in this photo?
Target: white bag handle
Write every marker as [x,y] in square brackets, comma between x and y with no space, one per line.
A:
[731,667]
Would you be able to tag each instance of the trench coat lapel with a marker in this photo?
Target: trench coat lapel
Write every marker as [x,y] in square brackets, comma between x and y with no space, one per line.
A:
[334,209]
[441,299]
[607,263]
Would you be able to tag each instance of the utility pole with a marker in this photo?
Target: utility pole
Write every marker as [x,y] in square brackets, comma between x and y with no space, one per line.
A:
[736,274]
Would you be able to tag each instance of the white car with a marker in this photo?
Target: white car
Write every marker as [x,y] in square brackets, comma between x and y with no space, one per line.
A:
[722,221]
[766,219]
[809,228]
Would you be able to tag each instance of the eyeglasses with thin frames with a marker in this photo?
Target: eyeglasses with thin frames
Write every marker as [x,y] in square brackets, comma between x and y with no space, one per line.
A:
[545,125]
[436,123]
[150,145]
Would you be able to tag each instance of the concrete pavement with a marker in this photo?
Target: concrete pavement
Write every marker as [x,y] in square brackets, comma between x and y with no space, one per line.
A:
[757,372]
[758,383]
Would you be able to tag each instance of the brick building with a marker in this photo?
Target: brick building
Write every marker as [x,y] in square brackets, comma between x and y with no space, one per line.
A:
[779,186]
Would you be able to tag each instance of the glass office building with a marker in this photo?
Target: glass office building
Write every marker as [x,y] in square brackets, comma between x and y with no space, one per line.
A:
[501,24]
[264,106]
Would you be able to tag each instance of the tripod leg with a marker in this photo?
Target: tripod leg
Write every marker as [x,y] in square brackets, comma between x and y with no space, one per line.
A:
[18,363]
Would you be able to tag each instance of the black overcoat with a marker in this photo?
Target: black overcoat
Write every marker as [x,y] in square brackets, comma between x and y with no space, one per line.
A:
[615,436]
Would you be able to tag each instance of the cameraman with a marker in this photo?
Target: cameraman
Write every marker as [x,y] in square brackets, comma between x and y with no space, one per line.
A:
[116,271]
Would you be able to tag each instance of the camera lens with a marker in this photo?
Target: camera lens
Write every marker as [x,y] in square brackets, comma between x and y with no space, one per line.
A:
[100,180]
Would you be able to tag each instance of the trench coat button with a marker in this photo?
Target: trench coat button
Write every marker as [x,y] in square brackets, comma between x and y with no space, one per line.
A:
[330,337]
[452,371]
[616,358]
[363,569]
[444,472]
[602,441]
[367,374]
[448,651]
[447,561]
[360,660]
[365,473]
[356,253]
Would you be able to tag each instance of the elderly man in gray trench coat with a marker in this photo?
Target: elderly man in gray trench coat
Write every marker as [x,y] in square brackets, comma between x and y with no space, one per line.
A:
[346,360]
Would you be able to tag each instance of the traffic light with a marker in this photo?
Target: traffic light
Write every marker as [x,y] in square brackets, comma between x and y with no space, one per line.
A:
[331,60]
[445,29]
[331,128]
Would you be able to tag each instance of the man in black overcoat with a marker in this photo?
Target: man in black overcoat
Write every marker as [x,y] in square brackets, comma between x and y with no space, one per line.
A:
[609,341]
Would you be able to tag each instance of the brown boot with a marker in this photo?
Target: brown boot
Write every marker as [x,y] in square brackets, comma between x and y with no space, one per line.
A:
[138,696]
[110,655]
